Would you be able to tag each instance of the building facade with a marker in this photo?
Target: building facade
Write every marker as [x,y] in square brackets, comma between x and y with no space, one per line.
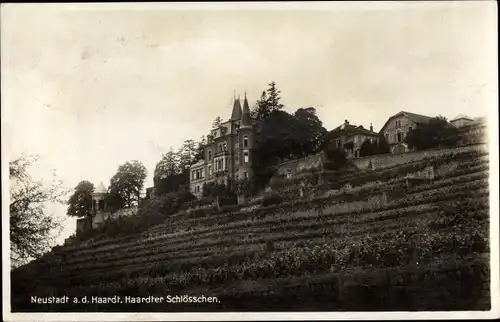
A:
[471,131]
[462,120]
[229,153]
[397,127]
[351,137]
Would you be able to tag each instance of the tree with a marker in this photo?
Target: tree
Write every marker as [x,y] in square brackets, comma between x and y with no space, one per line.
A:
[277,138]
[273,98]
[32,228]
[245,187]
[217,122]
[169,176]
[166,166]
[261,110]
[269,102]
[186,154]
[382,145]
[335,158]
[128,181]
[368,148]
[436,133]
[309,132]
[80,202]
[200,150]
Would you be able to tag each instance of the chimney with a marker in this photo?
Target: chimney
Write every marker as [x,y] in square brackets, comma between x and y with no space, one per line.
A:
[371,127]
[346,123]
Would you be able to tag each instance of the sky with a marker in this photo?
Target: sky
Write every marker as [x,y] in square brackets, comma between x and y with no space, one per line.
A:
[89,87]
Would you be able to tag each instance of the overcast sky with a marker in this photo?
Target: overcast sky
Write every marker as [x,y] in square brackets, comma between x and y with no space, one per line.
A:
[91,87]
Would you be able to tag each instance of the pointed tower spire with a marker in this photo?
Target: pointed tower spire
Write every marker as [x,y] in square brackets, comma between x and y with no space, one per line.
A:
[246,121]
[236,114]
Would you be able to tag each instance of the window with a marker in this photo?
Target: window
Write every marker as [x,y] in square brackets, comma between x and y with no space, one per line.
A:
[193,174]
[210,170]
[245,141]
[400,136]
[246,175]
[245,157]
[236,159]
[387,137]
[224,146]
[209,155]
[236,145]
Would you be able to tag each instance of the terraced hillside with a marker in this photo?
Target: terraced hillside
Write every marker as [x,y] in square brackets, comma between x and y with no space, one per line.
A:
[378,245]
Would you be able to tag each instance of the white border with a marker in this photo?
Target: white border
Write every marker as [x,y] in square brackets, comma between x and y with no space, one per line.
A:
[245,316]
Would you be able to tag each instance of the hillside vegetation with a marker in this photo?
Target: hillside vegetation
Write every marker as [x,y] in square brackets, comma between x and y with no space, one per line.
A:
[374,244]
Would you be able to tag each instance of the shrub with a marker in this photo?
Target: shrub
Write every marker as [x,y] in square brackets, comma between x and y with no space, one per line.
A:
[229,208]
[228,201]
[272,199]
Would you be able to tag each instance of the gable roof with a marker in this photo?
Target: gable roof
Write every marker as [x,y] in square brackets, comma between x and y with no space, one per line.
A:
[417,118]
[350,129]
[462,116]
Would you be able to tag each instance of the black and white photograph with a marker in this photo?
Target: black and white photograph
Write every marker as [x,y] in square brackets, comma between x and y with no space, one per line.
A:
[240,161]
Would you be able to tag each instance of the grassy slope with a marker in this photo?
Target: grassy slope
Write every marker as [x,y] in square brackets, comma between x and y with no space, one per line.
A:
[425,248]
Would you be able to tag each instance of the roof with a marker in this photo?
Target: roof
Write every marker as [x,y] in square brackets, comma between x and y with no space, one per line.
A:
[236,114]
[417,118]
[462,116]
[100,188]
[197,164]
[350,129]
[246,120]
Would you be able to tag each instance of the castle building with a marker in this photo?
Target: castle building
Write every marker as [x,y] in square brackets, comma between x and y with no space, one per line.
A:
[229,153]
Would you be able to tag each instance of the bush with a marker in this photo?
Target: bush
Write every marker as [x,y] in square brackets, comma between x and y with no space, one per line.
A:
[227,201]
[272,199]
[229,208]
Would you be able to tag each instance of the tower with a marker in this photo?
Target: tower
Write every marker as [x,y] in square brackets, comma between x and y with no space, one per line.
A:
[236,114]
[246,137]
[98,204]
